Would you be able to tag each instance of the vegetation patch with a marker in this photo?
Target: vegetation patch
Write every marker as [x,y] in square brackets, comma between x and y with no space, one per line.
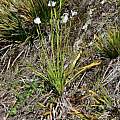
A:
[59,60]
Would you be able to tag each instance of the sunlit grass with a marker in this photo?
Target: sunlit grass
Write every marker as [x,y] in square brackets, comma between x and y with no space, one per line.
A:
[55,71]
[17,27]
[109,44]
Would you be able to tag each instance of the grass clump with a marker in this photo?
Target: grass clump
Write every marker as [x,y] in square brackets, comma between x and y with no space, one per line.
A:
[16,18]
[17,28]
[55,70]
[109,44]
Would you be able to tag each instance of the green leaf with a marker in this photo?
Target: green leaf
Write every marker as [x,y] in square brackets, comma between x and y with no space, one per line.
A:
[83,69]
[13,111]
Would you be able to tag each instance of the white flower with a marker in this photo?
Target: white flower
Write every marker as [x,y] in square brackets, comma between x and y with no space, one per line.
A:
[91,43]
[90,12]
[103,1]
[51,4]
[86,25]
[73,13]
[64,18]
[37,20]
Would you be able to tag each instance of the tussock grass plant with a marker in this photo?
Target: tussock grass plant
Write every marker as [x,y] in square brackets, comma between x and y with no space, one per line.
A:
[13,20]
[16,17]
[109,44]
[99,102]
[17,28]
[54,68]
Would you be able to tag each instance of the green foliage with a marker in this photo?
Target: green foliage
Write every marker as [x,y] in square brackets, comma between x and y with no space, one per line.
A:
[13,21]
[23,91]
[103,101]
[17,29]
[110,43]
[40,8]
[54,58]
[16,17]
[12,111]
